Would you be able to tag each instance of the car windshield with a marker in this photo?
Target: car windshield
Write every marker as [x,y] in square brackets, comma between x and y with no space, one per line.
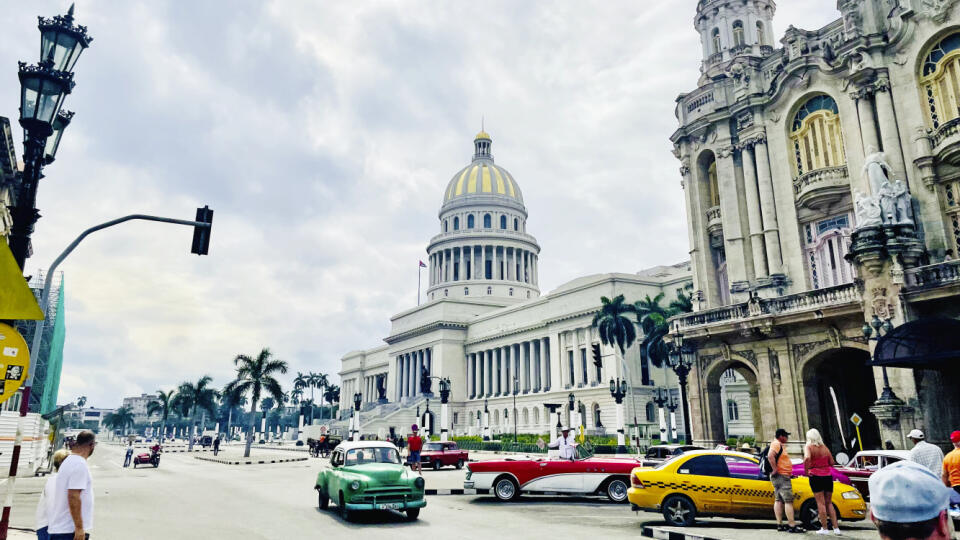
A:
[359,456]
[432,447]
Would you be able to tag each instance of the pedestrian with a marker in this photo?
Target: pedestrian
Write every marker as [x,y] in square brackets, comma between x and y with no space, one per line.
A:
[43,511]
[565,444]
[782,469]
[907,502]
[129,456]
[216,445]
[416,444]
[924,453]
[817,461]
[71,504]
[951,464]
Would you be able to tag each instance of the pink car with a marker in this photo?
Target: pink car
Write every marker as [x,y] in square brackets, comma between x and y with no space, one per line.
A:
[749,470]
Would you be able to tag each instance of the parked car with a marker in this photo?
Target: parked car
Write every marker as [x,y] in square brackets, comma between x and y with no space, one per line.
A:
[440,454]
[369,475]
[658,454]
[726,483]
[587,475]
[866,463]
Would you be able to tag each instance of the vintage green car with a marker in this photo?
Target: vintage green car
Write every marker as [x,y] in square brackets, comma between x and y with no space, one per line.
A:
[368,475]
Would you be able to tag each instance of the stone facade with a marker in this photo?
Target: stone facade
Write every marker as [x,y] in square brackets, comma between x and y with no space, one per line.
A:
[9,174]
[790,159]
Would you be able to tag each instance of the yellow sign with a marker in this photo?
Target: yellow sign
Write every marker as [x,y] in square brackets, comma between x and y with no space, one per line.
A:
[16,299]
[14,360]
[856,419]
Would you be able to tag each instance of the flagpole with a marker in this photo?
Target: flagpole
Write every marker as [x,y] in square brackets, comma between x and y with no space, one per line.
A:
[419,273]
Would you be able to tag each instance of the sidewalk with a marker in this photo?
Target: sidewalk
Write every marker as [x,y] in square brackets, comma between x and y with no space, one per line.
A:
[731,529]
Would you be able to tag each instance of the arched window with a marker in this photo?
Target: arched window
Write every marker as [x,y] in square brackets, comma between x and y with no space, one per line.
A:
[503,222]
[733,413]
[487,221]
[738,38]
[596,416]
[825,248]
[496,417]
[526,417]
[816,136]
[536,416]
[466,291]
[446,292]
[761,36]
[446,226]
[715,40]
[470,221]
[516,224]
[651,412]
[489,290]
[511,291]
[456,224]
[714,186]
[940,81]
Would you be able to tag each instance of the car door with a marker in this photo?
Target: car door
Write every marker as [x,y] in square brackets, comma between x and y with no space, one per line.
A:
[560,475]
[863,467]
[749,494]
[706,479]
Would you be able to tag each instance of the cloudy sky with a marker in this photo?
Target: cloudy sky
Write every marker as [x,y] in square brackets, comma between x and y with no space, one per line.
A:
[322,134]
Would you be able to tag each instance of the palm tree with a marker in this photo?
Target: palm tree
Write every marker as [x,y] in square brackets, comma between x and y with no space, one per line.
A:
[197,396]
[652,318]
[321,383]
[254,376]
[613,325]
[313,380]
[122,418]
[162,407]
[81,401]
[332,395]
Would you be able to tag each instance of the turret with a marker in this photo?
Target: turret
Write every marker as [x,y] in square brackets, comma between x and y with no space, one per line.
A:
[730,28]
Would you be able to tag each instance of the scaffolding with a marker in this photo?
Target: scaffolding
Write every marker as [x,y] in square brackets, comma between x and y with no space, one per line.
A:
[46,379]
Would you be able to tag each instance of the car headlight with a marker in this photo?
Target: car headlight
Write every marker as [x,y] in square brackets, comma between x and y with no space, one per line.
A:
[355,485]
[419,483]
[851,495]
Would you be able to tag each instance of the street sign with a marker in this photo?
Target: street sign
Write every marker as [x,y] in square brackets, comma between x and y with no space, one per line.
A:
[856,419]
[16,299]
[14,360]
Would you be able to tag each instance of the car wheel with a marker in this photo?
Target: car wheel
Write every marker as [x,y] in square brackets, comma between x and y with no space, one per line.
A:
[810,515]
[342,507]
[459,463]
[679,511]
[617,490]
[505,489]
[413,514]
[437,465]
[323,501]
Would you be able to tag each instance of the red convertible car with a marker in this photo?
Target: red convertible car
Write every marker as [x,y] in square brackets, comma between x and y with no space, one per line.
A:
[509,477]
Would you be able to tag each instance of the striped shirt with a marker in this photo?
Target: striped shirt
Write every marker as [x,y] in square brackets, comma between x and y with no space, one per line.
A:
[928,455]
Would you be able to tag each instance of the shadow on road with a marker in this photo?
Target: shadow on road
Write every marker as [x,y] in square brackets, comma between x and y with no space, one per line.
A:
[371,517]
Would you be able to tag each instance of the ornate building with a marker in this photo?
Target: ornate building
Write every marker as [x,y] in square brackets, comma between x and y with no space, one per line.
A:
[487,329]
[822,189]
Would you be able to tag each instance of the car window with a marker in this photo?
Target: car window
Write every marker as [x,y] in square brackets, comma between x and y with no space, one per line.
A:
[433,447]
[360,456]
[704,466]
[870,463]
[337,459]
[890,460]
[743,468]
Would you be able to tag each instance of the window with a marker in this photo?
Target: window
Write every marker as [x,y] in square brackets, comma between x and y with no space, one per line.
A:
[704,466]
[940,81]
[826,246]
[503,222]
[516,224]
[733,412]
[526,417]
[454,418]
[456,224]
[511,291]
[337,459]
[714,186]
[487,221]
[651,412]
[743,468]
[466,291]
[715,40]
[738,38]
[583,364]
[489,290]
[470,221]
[761,36]
[446,226]
[816,136]
[446,292]
[571,372]
[528,294]
[536,415]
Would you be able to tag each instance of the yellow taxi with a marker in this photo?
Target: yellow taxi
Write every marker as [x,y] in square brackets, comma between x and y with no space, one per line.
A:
[724,483]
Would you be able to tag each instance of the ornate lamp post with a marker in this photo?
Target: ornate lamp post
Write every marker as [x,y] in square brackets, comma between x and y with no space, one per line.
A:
[444,398]
[888,406]
[43,88]
[618,390]
[357,400]
[516,390]
[672,406]
[681,360]
[570,403]
[486,421]
[661,396]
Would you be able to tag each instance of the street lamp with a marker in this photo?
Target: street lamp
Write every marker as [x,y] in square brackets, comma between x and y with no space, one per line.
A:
[486,420]
[618,390]
[357,399]
[681,357]
[882,327]
[516,390]
[60,123]
[444,398]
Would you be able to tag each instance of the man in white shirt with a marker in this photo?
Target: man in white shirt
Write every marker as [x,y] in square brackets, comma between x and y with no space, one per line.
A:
[924,453]
[71,505]
[566,444]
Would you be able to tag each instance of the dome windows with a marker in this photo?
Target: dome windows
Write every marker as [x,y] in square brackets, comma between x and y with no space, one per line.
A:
[456,224]
[503,222]
[487,221]
[738,36]
[470,221]
[715,40]
[466,291]
[516,224]
[446,226]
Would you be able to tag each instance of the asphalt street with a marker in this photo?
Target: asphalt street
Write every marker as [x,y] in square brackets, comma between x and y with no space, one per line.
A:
[193,499]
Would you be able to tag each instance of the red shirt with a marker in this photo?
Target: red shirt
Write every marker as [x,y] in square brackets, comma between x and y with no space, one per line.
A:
[415,443]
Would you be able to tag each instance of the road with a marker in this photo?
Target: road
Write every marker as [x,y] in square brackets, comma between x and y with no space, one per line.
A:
[193,499]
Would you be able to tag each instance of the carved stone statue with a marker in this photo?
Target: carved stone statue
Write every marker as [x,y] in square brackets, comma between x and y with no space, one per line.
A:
[888,203]
[867,210]
[904,203]
[381,388]
[876,169]
[890,200]
[425,382]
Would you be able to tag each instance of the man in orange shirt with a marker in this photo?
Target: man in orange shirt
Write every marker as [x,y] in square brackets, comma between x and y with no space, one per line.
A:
[780,478]
[951,464]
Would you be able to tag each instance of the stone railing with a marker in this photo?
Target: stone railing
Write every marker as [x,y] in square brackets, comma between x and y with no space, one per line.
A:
[945,131]
[766,50]
[741,49]
[783,305]
[932,275]
[826,177]
[714,59]
[698,99]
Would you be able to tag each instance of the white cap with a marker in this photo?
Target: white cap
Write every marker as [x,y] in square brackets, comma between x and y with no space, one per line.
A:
[915,434]
[907,492]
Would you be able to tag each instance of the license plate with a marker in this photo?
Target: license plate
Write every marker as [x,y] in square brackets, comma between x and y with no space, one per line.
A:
[390,506]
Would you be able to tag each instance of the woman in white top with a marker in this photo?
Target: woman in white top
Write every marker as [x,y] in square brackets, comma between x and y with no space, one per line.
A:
[42,512]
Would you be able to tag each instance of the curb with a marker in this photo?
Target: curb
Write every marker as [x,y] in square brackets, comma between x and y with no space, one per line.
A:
[257,462]
[456,492]
[664,534]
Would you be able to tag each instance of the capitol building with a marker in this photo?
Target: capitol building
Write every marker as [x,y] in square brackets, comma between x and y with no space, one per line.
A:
[487,328]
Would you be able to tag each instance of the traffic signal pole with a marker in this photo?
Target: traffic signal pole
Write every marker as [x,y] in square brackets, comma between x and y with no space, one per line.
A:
[37,339]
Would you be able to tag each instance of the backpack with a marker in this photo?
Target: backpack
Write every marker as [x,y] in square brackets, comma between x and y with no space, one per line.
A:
[766,469]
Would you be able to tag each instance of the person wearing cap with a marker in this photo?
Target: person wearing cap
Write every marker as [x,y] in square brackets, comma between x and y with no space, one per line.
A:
[415,444]
[780,478]
[951,464]
[908,502]
[924,453]
[565,443]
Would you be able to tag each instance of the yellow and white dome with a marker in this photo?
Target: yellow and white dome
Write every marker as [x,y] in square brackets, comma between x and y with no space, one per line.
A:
[482,176]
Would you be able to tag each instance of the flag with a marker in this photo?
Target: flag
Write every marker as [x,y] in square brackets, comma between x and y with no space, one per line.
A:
[422,265]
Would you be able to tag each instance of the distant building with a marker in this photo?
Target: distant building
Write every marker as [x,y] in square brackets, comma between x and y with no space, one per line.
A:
[138,405]
[9,176]
[46,379]
[87,414]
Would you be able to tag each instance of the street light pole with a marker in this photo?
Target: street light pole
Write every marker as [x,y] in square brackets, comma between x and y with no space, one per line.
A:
[681,357]
[357,400]
[516,390]
[618,390]
[444,398]
[486,421]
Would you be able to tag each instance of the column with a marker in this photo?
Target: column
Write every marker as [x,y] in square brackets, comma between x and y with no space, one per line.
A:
[496,265]
[473,267]
[752,193]
[477,359]
[576,376]
[490,373]
[768,207]
[730,216]
[523,266]
[889,134]
[545,362]
[527,349]
[412,374]
[509,371]
[498,373]
[537,354]
[868,127]
[401,389]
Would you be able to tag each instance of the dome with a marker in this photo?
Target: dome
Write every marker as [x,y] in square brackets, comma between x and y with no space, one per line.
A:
[482,176]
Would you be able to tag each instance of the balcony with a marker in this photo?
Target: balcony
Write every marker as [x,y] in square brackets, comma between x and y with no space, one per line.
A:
[946,142]
[766,50]
[715,226]
[932,276]
[759,311]
[821,188]
[741,49]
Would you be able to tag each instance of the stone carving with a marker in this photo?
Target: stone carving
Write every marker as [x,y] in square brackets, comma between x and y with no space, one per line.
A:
[867,210]
[381,387]
[725,350]
[835,335]
[707,359]
[935,9]
[851,23]
[774,360]
[749,356]
[903,202]
[896,272]
[889,203]
[882,306]
[744,121]
[425,382]
[802,349]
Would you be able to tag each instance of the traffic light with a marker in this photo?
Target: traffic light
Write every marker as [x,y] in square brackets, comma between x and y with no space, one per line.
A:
[201,235]
[597,360]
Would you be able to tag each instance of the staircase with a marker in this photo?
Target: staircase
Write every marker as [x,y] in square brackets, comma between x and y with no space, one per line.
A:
[381,417]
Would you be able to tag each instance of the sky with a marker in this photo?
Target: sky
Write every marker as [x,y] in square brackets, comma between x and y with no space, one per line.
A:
[322,134]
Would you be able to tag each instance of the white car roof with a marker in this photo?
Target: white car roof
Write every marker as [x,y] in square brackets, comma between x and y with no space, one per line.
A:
[902,454]
[350,445]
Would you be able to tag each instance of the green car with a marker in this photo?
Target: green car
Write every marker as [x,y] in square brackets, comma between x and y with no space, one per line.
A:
[368,475]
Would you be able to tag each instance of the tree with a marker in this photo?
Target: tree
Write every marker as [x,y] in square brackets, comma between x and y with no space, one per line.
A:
[322,382]
[162,407]
[613,325]
[254,376]
[652,319]
[267,404]
[121,418]
[197,396]
[231,400]
[332,395]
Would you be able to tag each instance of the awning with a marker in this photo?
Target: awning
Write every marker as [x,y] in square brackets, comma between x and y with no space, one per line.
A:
[923,344]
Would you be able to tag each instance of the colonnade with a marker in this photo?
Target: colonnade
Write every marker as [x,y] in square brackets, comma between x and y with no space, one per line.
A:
[370,387]
[491,372]
[469,262]
[408,369]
